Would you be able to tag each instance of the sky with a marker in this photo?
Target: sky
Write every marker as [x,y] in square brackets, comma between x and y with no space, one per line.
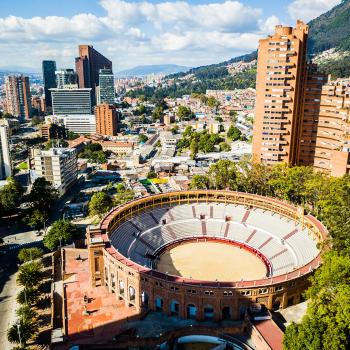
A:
[133,32]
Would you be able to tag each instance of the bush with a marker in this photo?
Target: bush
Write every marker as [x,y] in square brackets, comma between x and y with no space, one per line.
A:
[100,203]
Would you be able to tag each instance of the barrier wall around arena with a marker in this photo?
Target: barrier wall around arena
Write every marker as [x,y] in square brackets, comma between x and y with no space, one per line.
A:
[147,289]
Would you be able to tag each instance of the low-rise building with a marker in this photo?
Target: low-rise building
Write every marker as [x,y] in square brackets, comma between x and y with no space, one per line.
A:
[56,165]
[119,148]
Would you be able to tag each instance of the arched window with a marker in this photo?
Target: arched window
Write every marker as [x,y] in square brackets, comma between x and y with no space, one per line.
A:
[159,304]
[121,287]
[226,313]
[191,312]
[131,293]
[208,312]
[175,307]
[144,300]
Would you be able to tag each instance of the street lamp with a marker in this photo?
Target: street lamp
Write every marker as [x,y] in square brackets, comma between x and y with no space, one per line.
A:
[18,324]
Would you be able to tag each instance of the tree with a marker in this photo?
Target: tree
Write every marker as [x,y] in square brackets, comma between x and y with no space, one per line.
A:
[56,143]
[121,188]
[30,274]
[223,175]
[61,231]
[28,296]
[143,138]
[29,254]
[199,182]
[42,196]
[233,116]
[194,148]
[26,313]
[184,113]
[121,198]
[22,332]
[36,218]
[188,131]
[175,129]
[224,147]
[11,195]
[100,203]
[157,113]
[234,133]
[212,102]
[151,175]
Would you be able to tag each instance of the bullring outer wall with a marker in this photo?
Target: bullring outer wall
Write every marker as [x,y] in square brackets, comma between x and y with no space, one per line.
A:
[132,282]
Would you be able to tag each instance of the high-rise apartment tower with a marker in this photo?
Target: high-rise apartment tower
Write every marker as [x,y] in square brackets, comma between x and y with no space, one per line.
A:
[18,101]
[281,76]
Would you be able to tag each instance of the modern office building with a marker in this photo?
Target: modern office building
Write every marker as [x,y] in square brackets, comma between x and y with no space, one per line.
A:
[77,123]
[71,101]
[105,91]
[106,120]
[65,77]
[88,66]
[5,159]
[49,68]
[18,101]
[56,165]
[280,82]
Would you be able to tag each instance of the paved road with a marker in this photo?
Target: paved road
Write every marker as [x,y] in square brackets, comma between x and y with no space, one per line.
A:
[8,287]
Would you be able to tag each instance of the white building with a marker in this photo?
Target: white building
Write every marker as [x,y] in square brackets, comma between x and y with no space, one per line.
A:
[56,165]
[77,123]
[5,159]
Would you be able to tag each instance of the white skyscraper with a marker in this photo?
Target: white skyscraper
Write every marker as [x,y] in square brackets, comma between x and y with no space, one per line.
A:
[5,160]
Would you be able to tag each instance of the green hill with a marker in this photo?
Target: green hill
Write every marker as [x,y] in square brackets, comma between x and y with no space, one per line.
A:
[331,30]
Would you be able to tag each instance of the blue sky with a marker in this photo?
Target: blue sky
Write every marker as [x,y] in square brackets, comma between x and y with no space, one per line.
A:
[137,32]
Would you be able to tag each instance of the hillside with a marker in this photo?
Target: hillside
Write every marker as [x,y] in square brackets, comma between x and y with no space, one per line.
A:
[331,30]
[141,71]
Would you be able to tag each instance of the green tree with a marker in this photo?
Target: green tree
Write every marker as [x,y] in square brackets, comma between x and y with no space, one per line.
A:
[36,218]
[212,102]
[224,147]
[56,143]
[26,313]
[10,195]
[143,138]
[28,254]
[199,182]
[30,274]
[28,296]
[157,113]
[223,175]
[233,116]
[23,332]
[100,203]
[184,113]
[62,231]
[151,175]
[194,147]
[188,131]
[234,133]
[42,196]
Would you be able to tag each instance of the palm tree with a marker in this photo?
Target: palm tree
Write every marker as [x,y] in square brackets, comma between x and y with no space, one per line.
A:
[26,313]
[30,274]
[22,331]
[28,296]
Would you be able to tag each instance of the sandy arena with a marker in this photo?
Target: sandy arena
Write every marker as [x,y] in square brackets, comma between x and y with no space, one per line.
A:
[210,261]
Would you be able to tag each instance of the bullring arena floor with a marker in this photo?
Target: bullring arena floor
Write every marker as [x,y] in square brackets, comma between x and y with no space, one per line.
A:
[210,261]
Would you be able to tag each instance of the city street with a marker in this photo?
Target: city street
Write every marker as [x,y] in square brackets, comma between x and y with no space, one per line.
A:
[8,287]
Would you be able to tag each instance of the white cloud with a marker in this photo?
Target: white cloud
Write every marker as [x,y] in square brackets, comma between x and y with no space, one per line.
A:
[307,10]
[138,32]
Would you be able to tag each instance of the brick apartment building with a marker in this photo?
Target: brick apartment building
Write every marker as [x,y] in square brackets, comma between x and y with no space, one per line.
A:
[301,116]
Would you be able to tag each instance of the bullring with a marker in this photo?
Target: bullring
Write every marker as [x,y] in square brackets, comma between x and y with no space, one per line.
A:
[127,247]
